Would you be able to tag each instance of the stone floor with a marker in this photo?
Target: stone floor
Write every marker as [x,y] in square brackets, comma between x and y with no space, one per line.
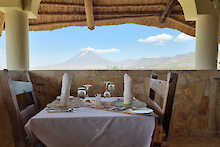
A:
[194,142]
[191,142]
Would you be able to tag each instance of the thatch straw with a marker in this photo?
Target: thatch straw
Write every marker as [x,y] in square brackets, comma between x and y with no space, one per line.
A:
[55,14]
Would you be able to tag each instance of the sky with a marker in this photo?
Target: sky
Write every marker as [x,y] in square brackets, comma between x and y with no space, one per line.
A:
[116,43]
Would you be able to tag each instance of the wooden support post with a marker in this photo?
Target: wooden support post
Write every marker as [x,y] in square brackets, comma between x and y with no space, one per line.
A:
[16,126]
[89,14]
[2,22]
[167,11]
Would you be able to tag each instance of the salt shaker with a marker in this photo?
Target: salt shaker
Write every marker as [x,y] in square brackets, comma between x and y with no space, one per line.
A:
[98,100]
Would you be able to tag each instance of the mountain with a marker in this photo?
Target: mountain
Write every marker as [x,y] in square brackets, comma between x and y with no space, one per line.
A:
[91,60]
[84,60]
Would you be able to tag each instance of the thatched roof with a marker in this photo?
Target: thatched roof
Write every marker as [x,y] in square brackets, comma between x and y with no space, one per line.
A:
[55,14]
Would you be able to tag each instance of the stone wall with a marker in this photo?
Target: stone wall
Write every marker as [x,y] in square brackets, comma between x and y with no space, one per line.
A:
[191,106]
[6,137]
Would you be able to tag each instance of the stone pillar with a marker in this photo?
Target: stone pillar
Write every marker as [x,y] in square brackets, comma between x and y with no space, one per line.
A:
[17,41]
[206,42]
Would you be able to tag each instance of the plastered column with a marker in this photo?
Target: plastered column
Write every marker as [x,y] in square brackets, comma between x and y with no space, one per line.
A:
[206,42]
[17,40]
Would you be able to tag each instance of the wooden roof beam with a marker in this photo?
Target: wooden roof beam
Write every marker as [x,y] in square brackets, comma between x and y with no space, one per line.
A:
[77,14]
[2,22]
[168,10]
[45,3]
[106,20]
[89,14]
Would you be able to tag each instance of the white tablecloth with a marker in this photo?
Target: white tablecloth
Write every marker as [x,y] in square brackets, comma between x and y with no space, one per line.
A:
[92,128]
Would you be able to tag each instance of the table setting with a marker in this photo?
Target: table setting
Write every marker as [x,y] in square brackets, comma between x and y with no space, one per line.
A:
[125,104]
[102,120]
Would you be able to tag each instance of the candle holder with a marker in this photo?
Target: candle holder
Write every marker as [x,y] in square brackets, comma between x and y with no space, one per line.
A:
[87,86]
[109,88]
[81,92]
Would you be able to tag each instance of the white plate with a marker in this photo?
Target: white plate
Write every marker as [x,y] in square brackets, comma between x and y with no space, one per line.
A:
[58,97]
[59,111]
[141,111]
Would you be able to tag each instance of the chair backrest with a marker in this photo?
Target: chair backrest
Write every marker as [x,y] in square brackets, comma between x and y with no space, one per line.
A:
[22,94]
[161,98]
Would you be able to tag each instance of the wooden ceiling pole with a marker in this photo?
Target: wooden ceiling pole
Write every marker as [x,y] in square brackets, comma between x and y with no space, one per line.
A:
[168,10]
[2,22]
[89,14]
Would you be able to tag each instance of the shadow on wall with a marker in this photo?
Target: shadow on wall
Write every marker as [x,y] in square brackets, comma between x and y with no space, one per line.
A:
[190,115]
[6,137]
[191,105]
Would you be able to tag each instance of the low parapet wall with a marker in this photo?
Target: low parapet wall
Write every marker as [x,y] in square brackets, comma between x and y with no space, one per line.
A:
[191,106]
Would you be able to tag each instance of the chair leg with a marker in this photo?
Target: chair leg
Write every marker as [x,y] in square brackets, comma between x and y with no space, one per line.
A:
[156,145]
[38,144]
[34,143]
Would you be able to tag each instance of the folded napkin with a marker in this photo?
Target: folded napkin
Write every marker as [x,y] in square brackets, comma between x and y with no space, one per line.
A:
[65,91]
[127,89]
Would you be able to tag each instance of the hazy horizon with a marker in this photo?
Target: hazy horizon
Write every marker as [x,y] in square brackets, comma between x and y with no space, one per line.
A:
[115,43]
[87,60]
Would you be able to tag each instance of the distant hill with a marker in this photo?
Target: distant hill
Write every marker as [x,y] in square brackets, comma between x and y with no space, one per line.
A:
[183,61]
[85,60]
[91,60]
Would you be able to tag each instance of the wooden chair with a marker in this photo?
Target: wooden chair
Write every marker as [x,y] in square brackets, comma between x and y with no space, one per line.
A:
[161,98]
[24,101]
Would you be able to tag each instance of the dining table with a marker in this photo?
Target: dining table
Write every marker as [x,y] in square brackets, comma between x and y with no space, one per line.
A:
[90,127]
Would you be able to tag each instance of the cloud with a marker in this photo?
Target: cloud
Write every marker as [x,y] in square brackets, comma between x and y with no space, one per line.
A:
[161,38]
[184,37]
[100,51]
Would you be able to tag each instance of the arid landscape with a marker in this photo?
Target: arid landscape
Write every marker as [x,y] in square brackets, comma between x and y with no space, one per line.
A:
[92,60]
